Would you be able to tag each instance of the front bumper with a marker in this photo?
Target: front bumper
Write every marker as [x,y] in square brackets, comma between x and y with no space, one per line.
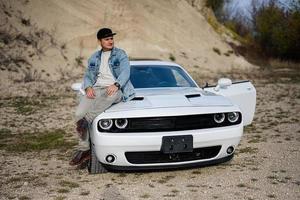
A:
[117,144]
[162,167]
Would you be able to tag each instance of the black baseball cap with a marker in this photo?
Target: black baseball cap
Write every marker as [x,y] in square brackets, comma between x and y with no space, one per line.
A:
[105,32]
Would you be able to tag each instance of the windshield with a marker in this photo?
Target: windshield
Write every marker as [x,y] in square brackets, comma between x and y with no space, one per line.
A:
[146,76]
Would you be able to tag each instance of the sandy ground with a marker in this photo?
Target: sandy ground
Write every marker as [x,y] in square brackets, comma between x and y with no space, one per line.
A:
[265,166]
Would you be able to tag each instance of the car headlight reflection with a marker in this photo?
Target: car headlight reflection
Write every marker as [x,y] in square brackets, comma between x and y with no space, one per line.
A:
[233,116]
[219,117]
[105,124]
[121,123]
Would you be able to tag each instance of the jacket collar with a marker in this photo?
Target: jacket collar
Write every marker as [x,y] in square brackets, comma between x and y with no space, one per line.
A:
[113,52]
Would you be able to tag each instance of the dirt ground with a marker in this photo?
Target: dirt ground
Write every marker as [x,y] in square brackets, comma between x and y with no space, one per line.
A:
[37,138]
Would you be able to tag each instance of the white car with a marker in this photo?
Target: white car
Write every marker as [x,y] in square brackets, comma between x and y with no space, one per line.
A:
[171,122]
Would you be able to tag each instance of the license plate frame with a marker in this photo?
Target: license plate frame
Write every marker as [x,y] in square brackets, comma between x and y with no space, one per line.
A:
[177,144]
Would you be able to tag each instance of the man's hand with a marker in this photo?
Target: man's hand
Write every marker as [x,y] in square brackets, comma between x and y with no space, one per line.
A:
[111,90]
[90,93]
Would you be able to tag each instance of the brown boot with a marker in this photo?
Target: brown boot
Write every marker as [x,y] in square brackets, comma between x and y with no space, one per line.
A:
[82,126]
[80,157]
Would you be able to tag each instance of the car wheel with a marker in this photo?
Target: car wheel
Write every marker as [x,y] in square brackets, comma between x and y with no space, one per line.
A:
[95,167]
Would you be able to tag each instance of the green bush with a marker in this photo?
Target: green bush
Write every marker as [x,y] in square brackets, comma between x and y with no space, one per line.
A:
[278,31]
[274,30]
[214,4]
[172,57]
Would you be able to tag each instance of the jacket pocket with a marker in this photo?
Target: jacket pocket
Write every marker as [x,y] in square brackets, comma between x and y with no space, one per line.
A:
[92,66]
[116,63]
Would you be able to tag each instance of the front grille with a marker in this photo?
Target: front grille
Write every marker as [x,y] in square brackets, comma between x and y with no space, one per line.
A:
[148,157]
[159,123]
[172,123]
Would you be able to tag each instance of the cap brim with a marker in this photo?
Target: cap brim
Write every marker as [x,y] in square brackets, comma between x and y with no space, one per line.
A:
[108,35]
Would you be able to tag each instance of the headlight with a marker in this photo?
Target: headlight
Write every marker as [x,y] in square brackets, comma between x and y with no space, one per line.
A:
[121,123]
[233,116]
[219,117]
[105,124]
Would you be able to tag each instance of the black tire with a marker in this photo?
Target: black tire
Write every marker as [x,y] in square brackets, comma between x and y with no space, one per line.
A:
[95,167]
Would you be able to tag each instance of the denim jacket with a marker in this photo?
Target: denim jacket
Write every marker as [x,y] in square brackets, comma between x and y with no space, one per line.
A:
[119,66]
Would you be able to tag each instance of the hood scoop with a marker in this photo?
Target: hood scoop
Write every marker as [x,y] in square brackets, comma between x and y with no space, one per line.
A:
[189,96]
[137,99]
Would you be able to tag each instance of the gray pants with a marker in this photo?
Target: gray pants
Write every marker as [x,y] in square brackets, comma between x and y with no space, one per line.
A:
[91,108]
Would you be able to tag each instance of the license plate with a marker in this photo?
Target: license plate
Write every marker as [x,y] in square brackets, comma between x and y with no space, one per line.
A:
[177,144]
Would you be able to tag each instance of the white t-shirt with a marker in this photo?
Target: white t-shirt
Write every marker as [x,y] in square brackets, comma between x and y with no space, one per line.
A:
[105,77]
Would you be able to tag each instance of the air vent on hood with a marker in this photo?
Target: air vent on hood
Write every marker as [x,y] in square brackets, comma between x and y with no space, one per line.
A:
[137,99]
[192,96]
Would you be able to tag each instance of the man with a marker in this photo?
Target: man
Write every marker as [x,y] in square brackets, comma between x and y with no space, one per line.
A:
[106,81]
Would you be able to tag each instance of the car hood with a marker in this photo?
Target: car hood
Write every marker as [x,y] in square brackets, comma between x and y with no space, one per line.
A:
[171,97]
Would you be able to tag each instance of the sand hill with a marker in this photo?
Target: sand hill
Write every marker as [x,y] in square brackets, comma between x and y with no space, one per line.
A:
[53,39]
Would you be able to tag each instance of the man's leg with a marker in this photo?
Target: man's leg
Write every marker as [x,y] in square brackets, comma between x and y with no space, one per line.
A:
[89,109]
[103,101]
[82,154]
[83,108]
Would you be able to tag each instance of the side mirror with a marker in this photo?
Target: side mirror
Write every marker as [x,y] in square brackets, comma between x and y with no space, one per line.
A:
[223,83]
[205,85]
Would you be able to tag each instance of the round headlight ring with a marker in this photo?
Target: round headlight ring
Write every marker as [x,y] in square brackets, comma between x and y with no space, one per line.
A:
[105,124]
[121,123]
[233,117]
[219,117]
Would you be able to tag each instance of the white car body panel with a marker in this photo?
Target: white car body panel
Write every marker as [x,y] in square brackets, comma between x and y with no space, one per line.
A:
[242,94]
[171,97]
[118,143]
[163,112]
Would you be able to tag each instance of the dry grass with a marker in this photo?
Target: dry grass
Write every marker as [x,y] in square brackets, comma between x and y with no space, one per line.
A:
[165,179]
[36,141]
[172,57]
[281,64]
[250,150]
[145,196]
[69,184]
[217,50]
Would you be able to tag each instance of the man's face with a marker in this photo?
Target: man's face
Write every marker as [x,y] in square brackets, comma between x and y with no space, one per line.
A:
[107,43]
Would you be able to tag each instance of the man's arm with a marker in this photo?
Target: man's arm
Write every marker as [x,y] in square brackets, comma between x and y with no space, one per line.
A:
[125,69]
[123,77]
[88,79]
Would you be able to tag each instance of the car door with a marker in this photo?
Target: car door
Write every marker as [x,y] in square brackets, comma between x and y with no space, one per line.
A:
[241,93]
